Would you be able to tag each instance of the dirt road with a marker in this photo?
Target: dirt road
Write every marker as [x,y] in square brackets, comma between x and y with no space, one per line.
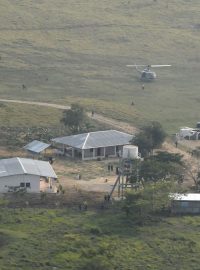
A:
[57,106]
[100,118]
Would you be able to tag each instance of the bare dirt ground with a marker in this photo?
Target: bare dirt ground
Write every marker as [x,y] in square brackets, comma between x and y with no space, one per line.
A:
[93,177]
[5,153]
[190,145]
[192,163]
[99,184]
[57,106]
[116,124]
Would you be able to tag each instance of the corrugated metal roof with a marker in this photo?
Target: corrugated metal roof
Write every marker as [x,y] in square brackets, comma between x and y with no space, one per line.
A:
[95,139]
[186,197]
[36,146]
[16,166]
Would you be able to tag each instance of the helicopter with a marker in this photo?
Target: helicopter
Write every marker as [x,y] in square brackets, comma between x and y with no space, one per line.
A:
[146,73]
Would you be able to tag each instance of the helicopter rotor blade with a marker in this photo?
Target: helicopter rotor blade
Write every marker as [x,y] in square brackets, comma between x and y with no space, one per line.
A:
[131,65]
[160,66]
[136,65]
[148,66]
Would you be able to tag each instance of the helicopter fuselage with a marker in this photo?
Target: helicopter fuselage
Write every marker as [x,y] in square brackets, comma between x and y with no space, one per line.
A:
[148,75]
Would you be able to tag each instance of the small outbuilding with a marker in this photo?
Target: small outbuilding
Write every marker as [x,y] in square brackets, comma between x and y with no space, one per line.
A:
[26,174]
[185,203]
[93,145]
[36,147]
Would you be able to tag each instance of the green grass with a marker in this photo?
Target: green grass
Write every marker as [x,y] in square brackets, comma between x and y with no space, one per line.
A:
[22,123]
[22,115]
[67,239]
[68,50]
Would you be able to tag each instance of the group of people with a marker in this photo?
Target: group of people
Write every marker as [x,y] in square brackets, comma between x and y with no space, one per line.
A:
[84,206]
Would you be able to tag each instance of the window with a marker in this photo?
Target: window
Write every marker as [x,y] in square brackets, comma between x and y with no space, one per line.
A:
[28,185]
[91,150]
[23,185]
[184,204]
[195,210]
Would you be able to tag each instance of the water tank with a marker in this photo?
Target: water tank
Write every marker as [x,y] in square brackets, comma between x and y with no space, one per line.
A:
[130,151]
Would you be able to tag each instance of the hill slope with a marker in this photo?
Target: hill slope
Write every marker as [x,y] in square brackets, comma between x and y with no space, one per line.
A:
[64,50]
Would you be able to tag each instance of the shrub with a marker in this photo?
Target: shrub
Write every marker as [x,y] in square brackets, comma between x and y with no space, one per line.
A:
[95,230]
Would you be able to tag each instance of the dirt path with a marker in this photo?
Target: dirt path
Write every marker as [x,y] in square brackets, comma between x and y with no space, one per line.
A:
[172,149]
[57,106]
[114,123]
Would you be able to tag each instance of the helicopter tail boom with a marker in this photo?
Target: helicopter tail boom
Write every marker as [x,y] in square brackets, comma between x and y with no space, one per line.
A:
[136,66]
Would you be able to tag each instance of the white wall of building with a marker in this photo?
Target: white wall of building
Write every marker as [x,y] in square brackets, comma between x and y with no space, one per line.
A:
[15,180]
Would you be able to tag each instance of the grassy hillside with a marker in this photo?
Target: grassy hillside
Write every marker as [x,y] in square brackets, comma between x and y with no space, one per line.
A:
[22,123]
[63,50]
[67,239]
[22,115]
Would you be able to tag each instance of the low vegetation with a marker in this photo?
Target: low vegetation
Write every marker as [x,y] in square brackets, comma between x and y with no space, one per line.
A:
[22,123]
[68,239]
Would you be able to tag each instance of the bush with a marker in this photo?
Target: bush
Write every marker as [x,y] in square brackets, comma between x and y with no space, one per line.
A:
[95,230]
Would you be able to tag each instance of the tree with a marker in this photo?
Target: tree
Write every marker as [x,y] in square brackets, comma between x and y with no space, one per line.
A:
[153,170]
[143,142]
[158,176]
[193,171]
[162,166]
[167,157]
[74,118]
[150,137]
[153,198]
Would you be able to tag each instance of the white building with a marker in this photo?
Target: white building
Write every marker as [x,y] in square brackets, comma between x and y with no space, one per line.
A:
[28,174]
[93,145]
[188,203]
